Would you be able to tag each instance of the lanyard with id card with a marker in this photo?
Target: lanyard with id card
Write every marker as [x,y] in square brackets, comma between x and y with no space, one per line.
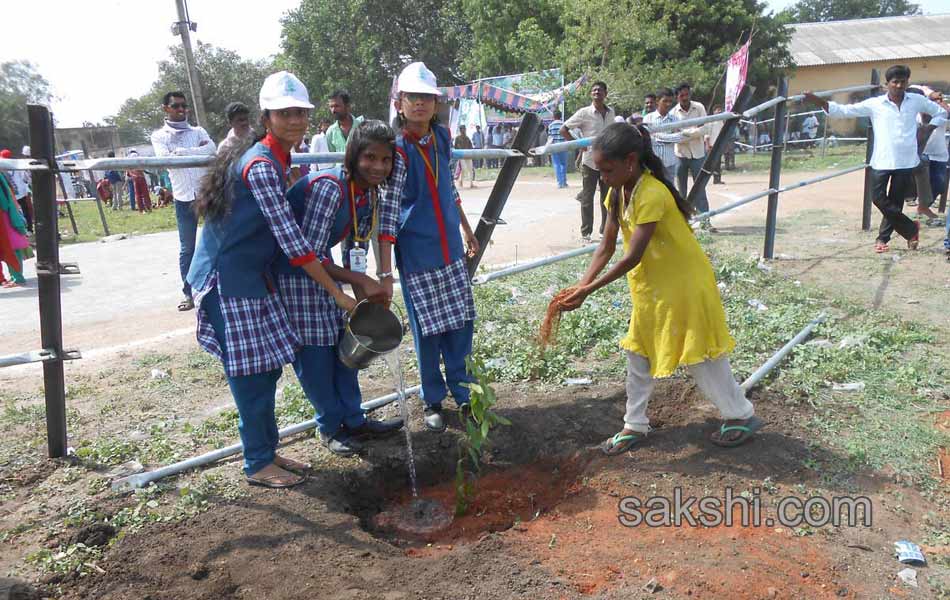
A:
[357,254]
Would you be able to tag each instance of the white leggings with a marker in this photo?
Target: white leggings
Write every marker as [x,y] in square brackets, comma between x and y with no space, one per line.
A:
[714,378]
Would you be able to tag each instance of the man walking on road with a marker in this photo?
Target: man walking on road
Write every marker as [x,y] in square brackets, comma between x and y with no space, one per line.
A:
[179,138]
[691,151]
[590,120]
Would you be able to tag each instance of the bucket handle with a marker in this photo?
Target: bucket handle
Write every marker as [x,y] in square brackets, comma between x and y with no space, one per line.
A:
[392,305]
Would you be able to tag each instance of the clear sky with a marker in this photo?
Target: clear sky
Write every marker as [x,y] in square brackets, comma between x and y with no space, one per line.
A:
[98,53]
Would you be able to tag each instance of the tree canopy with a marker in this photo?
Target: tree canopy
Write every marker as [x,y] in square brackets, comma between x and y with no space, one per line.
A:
[225,78]
[361,45]
[814,11]
[20,84]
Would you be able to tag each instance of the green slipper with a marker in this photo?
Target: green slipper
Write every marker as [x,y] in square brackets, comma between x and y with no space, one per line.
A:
[620,443]
[752,425]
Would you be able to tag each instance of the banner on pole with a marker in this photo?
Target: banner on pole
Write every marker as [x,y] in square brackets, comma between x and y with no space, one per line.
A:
[736,71]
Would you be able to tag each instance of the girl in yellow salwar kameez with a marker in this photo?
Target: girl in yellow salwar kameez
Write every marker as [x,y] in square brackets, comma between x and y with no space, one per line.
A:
[677,316]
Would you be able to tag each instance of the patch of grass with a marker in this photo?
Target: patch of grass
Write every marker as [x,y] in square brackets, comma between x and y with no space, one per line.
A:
[839,157]
[883,424]
[152,359]
[123,221]
[22,414]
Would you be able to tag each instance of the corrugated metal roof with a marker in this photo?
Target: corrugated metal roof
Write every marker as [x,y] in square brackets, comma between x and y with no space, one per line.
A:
[862,40]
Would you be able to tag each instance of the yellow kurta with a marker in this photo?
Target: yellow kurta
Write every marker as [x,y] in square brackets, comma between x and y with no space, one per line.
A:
[677,316]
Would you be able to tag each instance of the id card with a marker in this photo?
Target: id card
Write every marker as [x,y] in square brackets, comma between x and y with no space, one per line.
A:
[358,260]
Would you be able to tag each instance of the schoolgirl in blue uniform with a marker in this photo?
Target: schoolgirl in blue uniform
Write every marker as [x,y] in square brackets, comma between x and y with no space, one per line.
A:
[430,254]
[342,205]
[241,320]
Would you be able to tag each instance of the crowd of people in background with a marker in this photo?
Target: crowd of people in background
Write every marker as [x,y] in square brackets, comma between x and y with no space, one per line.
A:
[682,153]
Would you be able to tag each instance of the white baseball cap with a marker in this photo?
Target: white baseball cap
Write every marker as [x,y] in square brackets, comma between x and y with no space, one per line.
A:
[417,78]
[284,90]
[26,151]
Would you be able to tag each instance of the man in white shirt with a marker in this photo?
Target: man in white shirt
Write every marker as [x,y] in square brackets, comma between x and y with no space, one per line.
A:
[179,138]
[590,120]
[894,118]
[691,151]
[664,142]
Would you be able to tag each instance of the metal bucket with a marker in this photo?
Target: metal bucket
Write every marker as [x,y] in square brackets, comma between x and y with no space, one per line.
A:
[371,330]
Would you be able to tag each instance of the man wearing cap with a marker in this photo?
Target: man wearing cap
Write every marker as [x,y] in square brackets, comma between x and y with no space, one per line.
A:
[179,138]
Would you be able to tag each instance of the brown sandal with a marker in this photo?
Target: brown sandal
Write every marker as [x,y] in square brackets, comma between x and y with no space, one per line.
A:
[275,480]
[881,247]
[292,465]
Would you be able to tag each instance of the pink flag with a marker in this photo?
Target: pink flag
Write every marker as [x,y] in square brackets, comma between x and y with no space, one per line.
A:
[736,74]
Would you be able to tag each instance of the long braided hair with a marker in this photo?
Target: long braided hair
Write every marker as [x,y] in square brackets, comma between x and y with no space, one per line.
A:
[619,140]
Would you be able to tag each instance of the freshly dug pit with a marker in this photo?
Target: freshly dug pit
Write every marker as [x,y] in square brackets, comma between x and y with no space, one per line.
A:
[501,498]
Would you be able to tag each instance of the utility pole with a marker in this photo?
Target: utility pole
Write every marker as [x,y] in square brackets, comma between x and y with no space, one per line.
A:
[184,27]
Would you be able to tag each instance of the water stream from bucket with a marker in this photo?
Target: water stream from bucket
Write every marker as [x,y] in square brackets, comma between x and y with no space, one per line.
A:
[395,366]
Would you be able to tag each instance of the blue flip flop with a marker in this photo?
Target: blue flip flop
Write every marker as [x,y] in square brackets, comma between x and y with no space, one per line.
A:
[620,443]
[752,425]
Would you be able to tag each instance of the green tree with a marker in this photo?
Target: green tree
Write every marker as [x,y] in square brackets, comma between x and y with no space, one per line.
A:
[20,84]
[637,46]
[814,11]
[225,77]
[360,45]
[512,37]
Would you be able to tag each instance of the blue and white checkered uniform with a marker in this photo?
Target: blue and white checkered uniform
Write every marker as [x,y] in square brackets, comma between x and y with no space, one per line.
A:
[257,333]
[442,297]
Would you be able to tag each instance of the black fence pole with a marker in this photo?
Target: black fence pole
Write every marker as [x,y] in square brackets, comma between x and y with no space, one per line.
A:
[775,169]
[868,199]
[729,129]
[47,275]
[527,134]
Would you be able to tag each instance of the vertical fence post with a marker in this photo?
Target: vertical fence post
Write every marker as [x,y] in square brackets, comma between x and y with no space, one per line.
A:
[868,200]
[47,276]
[95,192]
[527,134]
[775,169]
[824,136]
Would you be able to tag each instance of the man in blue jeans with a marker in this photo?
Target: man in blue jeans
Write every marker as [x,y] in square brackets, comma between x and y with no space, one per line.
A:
[558,160]
[690,151]
[179,138]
